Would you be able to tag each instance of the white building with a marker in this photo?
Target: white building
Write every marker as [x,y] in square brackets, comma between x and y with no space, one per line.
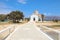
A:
[36,16]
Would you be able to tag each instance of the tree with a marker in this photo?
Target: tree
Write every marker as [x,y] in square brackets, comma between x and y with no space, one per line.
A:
[15,16]
[42,16]
[2,17]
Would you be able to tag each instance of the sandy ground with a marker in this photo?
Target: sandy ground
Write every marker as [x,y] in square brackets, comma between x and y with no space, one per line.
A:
[49,24]
[51,33]
[3,26]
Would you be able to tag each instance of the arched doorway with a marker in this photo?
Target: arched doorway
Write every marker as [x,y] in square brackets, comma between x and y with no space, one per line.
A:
[33,19]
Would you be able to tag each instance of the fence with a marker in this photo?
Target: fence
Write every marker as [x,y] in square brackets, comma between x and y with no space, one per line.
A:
[50,32]
[6,32]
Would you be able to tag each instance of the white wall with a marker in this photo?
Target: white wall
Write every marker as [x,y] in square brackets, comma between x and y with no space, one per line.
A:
[34,16]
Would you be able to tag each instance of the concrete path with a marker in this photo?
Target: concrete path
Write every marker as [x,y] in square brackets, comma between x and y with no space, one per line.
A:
[28,32]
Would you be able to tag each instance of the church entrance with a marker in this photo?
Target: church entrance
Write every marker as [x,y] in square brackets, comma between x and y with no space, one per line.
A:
[33,19]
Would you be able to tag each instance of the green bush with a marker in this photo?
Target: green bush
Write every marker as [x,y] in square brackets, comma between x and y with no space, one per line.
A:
[55,20]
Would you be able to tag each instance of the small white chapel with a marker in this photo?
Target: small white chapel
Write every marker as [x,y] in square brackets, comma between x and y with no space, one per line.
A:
[36,17]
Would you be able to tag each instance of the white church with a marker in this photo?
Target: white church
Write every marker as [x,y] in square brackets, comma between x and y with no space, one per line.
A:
[36,17]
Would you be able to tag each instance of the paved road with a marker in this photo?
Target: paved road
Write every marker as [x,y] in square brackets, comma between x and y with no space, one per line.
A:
[28,32]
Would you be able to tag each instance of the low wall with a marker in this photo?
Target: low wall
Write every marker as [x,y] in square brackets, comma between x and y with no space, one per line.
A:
[5,32]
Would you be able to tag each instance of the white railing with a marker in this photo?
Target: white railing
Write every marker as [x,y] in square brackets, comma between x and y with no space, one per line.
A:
[6,32]
[53,33]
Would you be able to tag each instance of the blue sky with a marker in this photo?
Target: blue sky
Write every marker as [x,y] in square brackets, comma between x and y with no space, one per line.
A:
[46,7]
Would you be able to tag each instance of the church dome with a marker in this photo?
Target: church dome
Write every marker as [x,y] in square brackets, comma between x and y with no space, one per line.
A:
[37,13]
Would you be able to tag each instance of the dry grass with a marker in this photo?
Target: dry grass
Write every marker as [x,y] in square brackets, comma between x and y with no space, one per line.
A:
[55,25]
[4,25]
